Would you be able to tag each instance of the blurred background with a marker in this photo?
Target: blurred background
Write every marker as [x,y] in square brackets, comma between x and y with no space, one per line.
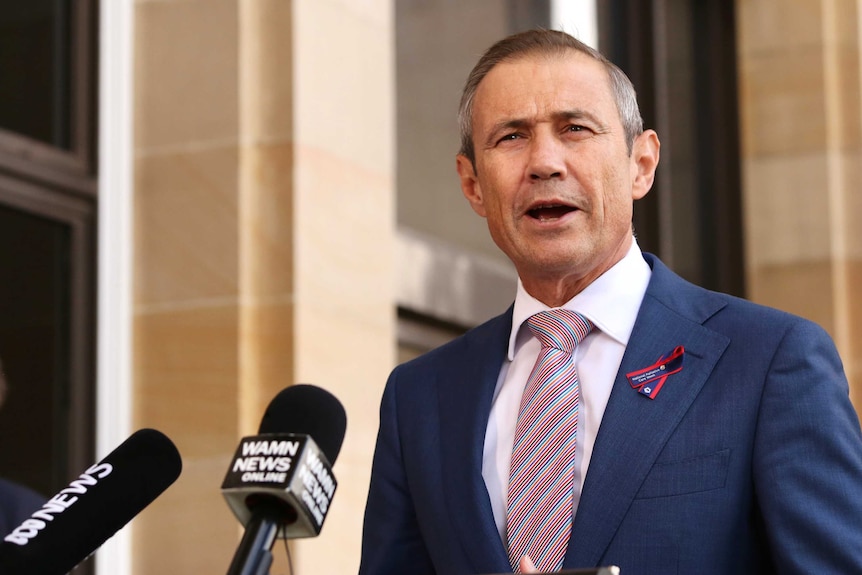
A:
[205,201]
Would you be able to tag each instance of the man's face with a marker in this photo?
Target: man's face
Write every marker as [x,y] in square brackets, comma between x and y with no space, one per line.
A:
[553,175]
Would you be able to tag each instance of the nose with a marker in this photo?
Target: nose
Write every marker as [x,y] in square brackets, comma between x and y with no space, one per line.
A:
[547,158]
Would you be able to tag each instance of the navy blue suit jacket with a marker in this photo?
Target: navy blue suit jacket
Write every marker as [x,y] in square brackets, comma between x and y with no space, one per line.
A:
[749,460]
[16,504]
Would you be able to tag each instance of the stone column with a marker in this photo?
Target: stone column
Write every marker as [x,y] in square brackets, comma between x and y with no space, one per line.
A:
[802,154]
[318,235]
[264,242]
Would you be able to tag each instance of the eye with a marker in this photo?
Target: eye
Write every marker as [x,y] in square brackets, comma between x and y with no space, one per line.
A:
[577,131]
[509,137]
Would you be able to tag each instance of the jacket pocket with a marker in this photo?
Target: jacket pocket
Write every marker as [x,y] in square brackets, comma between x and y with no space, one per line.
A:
[690,475]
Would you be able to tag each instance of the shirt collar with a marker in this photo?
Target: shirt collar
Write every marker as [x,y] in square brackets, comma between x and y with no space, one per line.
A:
[611,302]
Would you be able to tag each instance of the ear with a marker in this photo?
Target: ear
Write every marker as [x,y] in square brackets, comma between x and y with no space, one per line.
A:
[470,186]
[644,160]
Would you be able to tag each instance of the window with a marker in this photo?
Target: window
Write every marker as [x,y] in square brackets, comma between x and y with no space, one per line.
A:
[47,240]
[681,57]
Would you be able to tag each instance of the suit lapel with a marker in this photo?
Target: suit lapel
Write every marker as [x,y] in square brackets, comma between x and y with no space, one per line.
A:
[635,428]
[466,392]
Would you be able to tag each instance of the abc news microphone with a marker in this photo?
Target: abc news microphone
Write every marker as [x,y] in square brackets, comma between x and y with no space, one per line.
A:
[76,521]
[280,482]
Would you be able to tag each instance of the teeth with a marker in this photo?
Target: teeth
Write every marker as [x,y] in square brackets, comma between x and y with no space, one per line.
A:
[547,212]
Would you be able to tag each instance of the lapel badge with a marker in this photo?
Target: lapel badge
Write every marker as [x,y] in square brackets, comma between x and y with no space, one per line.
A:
[649,380]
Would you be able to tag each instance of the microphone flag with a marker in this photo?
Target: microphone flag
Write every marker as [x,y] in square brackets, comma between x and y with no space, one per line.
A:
[287,471]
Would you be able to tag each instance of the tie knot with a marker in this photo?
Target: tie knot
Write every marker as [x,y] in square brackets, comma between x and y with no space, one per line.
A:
[559,328]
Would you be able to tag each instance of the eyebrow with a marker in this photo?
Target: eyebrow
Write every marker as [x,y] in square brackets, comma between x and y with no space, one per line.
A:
[518,123]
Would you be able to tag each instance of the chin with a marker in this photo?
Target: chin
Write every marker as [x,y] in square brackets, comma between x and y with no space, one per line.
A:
[559,265]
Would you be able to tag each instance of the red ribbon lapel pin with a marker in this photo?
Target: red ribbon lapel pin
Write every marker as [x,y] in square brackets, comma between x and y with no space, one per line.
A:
[649,380]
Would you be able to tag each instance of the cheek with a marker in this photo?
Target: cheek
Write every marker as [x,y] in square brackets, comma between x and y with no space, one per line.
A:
[498,218]
[618,211]
[495,215]
[618,195]
[491,202]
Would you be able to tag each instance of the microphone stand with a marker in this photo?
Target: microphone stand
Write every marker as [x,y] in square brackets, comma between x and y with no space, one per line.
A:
[253,555]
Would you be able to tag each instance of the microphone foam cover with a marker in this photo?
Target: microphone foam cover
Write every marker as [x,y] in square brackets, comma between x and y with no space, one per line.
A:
[310,410]
[114,491]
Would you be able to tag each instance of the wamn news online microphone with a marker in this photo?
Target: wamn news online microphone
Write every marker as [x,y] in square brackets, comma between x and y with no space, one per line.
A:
[279,483]
[75,522]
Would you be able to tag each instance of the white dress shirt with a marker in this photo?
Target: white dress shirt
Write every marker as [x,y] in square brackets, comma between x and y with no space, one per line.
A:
[611,302]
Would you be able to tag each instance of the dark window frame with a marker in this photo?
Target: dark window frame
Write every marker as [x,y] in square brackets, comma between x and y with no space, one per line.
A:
[635,35]
[69,171]
[61,185]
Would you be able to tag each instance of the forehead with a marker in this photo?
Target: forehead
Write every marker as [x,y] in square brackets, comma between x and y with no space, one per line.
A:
[533,86]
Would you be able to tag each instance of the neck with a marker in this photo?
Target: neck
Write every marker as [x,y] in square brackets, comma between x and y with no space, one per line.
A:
[554,290]
[556,293]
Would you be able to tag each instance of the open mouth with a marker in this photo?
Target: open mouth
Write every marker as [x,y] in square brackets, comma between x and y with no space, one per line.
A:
[550,212]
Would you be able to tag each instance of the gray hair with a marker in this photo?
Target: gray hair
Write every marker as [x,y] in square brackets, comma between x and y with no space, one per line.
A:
[550,43]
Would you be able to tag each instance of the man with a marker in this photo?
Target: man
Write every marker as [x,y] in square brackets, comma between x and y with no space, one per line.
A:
[711,435]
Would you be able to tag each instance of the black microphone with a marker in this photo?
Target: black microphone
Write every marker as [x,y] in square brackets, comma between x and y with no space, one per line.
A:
[280,482]
[76,521]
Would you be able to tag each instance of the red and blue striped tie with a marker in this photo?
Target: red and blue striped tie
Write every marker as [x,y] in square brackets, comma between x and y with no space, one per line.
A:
[542,470]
